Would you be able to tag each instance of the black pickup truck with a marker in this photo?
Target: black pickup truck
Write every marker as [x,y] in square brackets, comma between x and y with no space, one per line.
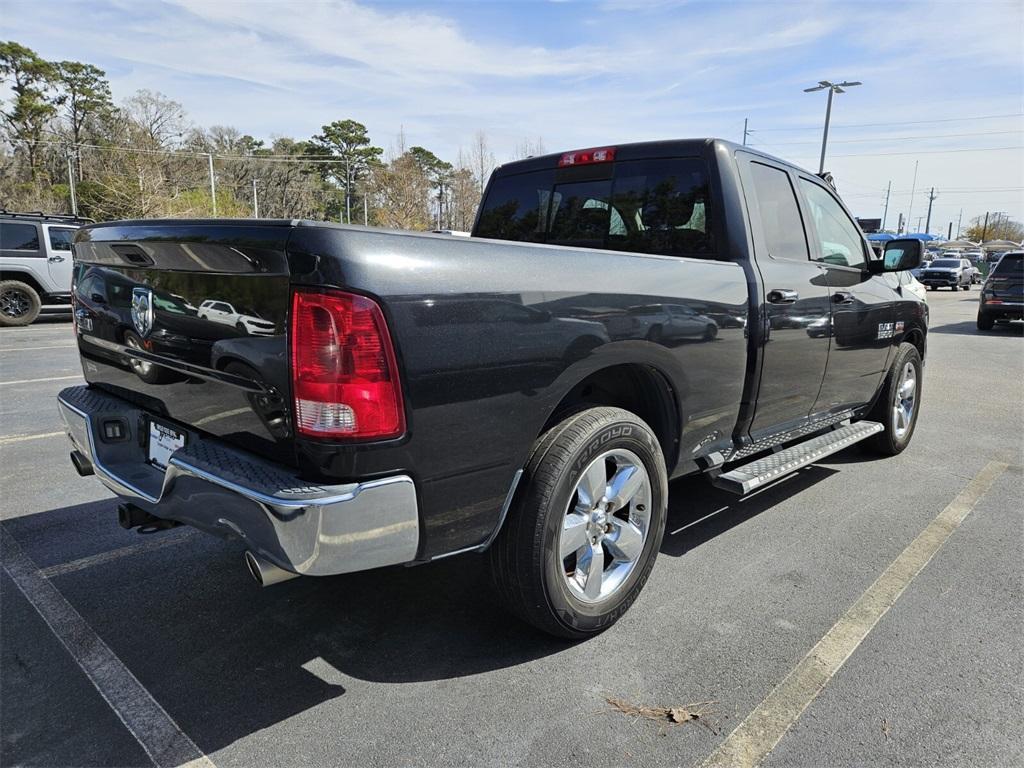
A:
[343,398]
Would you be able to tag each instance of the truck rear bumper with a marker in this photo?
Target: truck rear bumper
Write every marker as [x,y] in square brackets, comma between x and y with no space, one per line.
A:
[315,530]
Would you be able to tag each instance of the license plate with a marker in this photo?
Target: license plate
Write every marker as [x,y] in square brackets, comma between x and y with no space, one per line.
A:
[163,441]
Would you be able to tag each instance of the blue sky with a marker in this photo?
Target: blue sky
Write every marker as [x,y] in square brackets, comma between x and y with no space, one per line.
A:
[937,76]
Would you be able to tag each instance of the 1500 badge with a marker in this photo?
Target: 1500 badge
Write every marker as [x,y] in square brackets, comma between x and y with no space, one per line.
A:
[888,330]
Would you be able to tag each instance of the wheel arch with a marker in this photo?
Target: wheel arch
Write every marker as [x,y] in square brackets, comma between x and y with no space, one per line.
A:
[639,387]
[23,277]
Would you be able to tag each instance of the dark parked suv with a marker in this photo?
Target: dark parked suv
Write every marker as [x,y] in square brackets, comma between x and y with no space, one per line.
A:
[1002,295]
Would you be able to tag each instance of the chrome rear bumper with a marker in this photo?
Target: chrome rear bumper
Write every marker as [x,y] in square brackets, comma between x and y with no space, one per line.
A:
[316,530]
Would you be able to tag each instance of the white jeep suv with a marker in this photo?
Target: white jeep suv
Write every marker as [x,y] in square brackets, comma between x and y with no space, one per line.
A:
[35,263]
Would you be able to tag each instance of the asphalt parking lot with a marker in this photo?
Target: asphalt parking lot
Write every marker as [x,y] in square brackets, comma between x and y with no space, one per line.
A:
[190,663]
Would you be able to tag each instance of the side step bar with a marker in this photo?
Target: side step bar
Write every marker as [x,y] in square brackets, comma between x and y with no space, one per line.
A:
[762,471]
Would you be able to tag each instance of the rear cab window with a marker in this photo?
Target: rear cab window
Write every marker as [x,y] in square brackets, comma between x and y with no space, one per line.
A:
[658,206]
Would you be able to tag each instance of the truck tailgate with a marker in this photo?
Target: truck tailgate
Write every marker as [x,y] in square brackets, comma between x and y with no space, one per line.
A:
[188,320]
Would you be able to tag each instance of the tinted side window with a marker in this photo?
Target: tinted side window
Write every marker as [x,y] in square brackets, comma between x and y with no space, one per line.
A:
[516,207]
[840,239]
[60,238]
[780,215]
[19,237]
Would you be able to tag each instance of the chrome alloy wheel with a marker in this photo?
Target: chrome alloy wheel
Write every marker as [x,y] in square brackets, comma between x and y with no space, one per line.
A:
[14,303]
[905,401]
[605,525]
[141,367]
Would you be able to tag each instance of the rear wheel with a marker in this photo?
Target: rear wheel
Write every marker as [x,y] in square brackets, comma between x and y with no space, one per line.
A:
[585,526]
[967,287]
[985,322]
[898,403]
[148,372]
[19,303]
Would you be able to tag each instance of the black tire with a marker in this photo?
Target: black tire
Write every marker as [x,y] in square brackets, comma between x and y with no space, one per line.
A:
[931,287]
[985,322]
[656,334]
[525,568]
[19,304]
[711,333]
[967,287]
[888,442]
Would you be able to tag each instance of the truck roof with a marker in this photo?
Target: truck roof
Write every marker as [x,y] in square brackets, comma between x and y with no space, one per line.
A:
[642,150]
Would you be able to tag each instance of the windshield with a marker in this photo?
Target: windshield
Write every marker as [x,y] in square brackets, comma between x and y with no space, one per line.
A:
[946,263]
[646,206]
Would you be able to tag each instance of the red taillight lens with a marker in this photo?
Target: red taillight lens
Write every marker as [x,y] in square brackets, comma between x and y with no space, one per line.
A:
[587,157]
[344,376]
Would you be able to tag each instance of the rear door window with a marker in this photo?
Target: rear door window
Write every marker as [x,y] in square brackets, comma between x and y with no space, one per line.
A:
[781,222]
[19,237]
[60,238]
[646,206]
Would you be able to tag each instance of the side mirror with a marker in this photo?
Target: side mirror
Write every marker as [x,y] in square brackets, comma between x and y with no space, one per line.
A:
[898,256]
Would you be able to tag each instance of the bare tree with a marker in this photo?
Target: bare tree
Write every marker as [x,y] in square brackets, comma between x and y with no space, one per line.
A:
[481,160]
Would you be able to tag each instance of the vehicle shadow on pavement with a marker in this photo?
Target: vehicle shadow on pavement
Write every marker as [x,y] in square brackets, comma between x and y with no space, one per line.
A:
[970,328]
[698,512]
[226,658]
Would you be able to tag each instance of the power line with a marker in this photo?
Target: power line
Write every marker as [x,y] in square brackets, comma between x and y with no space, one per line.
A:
[902,138]
[909,122]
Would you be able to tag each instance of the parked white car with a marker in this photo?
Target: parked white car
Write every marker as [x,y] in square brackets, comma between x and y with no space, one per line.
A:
[225,313]
[35,264]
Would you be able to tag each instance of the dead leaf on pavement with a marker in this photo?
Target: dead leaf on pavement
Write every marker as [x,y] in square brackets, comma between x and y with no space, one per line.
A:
[697,712]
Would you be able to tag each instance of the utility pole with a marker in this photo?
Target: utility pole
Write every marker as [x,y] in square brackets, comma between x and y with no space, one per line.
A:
[984,229]
[899,227]
[919,223]
[959,221]
[885,213]
[745,134]
[255,201]
[913,188]
[213,185]
[931,199]
[366,215]
[71,185]
[949,234]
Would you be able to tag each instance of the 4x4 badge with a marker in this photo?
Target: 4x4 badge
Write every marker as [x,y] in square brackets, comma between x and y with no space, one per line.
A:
[142,310]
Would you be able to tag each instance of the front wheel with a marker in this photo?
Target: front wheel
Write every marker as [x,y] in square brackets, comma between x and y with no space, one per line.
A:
[586,524]
[898,403]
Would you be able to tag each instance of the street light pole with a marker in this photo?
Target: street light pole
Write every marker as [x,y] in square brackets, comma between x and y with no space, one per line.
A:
[213,185]
[255,201]
[832,88]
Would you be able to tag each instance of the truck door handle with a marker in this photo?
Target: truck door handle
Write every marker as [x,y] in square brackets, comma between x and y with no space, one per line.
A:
[842,297]
[55,258]
[782,296]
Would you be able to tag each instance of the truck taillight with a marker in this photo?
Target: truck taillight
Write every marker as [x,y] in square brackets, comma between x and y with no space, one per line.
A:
[344,377]
[587,157]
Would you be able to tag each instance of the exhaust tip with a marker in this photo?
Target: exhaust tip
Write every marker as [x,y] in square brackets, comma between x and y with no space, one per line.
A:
[264,572]
[82,465]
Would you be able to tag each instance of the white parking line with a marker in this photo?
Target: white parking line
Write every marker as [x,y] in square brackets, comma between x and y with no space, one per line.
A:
[36,381]
[23,438]
[154,729]
[159,541]
[763,728]
[32,349]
